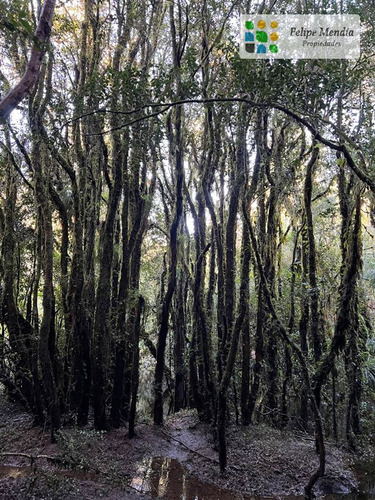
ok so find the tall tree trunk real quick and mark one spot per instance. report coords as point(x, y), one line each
point(245, 378)
point(102, 311)
point(315, 320)
point(179, 348)
point(135, 365)
point(163, 331)
point(47, 336)
point(303, 323)
point(177, 153)
point(233, 328)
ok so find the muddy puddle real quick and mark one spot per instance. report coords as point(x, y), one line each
point(166, 478)
point(14, 472)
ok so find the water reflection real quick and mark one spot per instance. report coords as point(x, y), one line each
point(166, 478)
point(14, 472)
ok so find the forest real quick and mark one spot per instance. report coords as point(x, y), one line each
point(187, 239)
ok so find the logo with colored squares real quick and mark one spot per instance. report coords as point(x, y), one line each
point(261, 37)
point(299, 36)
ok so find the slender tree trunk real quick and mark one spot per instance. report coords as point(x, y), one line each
point(315, 320)
point(163, 331)
point(177, 152)
point(303, 326)
point(135, 365)
point(47, 337)
point(179, 349)
point(245, 378)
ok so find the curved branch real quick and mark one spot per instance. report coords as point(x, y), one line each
point(360, 173)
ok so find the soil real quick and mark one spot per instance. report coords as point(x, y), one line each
point(172, 462)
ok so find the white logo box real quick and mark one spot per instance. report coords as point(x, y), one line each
point(311, 36)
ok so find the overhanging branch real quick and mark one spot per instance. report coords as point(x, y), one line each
point(165, 106)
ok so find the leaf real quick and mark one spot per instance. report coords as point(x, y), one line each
point(10, 25)
point(26, 26)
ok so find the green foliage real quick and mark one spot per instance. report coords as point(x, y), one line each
point(16, 19)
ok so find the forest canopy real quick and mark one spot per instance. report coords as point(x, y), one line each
point(181, 228)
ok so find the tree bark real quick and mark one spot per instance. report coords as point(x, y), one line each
point(30, 77)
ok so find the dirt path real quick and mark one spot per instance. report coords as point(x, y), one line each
point(168, 462)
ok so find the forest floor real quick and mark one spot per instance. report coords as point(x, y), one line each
point(173, 462)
